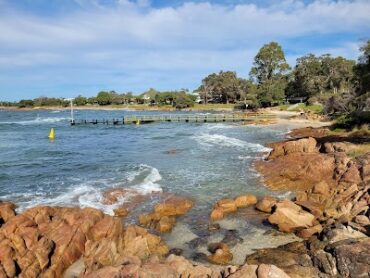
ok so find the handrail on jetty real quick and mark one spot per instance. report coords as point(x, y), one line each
point(210, 118)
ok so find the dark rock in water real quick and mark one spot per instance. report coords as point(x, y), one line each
point(196, 242)
point(213, 247)
point(214, 227)
point(199, 257)
point(175, 251)
point(232, 238)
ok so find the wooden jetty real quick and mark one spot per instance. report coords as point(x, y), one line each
point(194, 118)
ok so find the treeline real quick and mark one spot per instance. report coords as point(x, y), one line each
point(341, 85)
point(179, 99)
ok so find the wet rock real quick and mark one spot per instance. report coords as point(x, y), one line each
point(164, 216)
point(196, 242)
point(174, 206)
point(166, 224)
point(245, 200)
point(214, 227)
point(266, 204)
point(217, 214)
point(232, 238)
point(199, 257)
point(175, 251)
point(227, 205)
point(120, 212)
point(289, 217)
point(221, 253)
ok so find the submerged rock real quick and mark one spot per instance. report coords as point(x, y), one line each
point(221, 253)
point(164, 216)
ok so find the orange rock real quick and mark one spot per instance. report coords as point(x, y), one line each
point(221, 253)
point(290, 217)
point(266, 204)
point(245, 200)
point(120, 212)
point(7, 210)
point(166, 224)
point(307, 233)
point(227, 205)
point(217, 214)
point(165, 209)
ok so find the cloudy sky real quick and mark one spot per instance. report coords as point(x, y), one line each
point(64, 48)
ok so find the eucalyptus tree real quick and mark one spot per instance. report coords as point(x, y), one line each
point(362, 78)
point(269, 71)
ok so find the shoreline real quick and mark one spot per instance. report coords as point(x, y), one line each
point(221, 253)
point(123, 108)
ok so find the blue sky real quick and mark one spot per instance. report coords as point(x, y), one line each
point(63, 48)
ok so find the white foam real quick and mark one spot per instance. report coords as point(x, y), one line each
point(210, 140)
point(246, 157)
point(221, 126)
point(90, 194)
point(38, 120)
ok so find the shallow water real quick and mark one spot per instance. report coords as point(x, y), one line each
point(203, 161)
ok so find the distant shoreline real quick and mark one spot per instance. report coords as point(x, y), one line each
point(200, 107)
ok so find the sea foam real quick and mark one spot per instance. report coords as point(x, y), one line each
point(209, 140)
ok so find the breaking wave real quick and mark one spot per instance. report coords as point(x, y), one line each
point(209, 140)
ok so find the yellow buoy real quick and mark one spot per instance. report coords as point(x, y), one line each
point(138, 122)
point(51, 134)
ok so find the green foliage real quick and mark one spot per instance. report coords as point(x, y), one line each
point(104, 98)
point(24, 103)
point(362, 78)
point(183, 100)
point(92, 100)
point(270, 73)
point(314, 76)
point(224, 87)
point(80, 101)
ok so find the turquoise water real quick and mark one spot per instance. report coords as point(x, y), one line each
point(211, 160)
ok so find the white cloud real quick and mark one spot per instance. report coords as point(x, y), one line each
point(136, 38)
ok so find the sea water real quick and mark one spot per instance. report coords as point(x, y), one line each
point(203, 161)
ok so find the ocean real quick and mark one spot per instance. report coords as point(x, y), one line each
point(203, 161)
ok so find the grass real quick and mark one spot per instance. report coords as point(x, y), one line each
point(314, 108)
point(213, 106)
point(359, 150)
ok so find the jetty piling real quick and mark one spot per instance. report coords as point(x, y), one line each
point(188, 118)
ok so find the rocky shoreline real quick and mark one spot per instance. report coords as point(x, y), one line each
point(330, 212)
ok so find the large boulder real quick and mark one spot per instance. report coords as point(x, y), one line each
point(163, 218)
point(290, 217)
point(266, 204)
point(245, 200)
point(298, 171)
point(305, 145)
point(7, 211)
